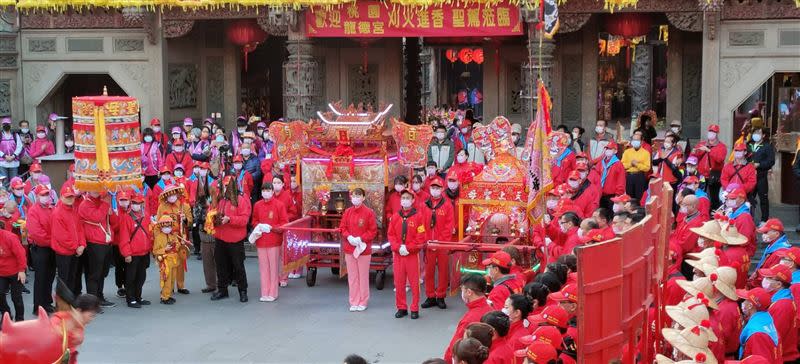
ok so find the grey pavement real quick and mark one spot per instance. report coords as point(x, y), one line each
point(305, 325)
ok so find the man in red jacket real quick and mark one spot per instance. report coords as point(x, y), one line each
point(135, 243)
point(358, 228)
point(504, 284)
point(442, 224)
point(710, 155)
point(778, 279)
point(230, 231)
point(739, 214)
point(587, 194)
point(775, 241)
point(609, 175)
point(96, 215)
point(392, 205)
point(407, 235)
point(602, 216)
point(269, 214)
point(68, 242)
point(683, 235)
point(13, 263)
point(178, 156)
point(739, 170)
point(563, 160)
point(759, 335)
point(44, 259)
point(473, 293)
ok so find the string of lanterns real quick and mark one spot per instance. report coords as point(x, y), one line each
point(465, 55)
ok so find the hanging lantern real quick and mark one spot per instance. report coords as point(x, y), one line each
point(477, 55)
point(628, 25)
point(465, 55)
point(247, 34)
point(451, 55)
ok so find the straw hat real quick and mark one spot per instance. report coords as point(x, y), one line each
point(691, 312)
point(692, 342)
point(731, 236)
point(723, 279)
point(171, 190)
point(660, 359)
point(165, 220)
point(704, 259)
point(701, 288)
point(710, 230)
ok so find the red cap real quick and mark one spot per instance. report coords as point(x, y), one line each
point(177, 142)
point(551, 315)
point(737, 193)
point(574, 176)
point(36, 167)
point(538, 352)
point(777, 271)
point(623, 198)
point(408, 191)
point(740, 147)
point(500, 259)
point(546, 334)
point(164, 169)
point(238, 159)
point(67, 191)
point(437, 181)
point(567, 293)
point(595, 235)
point(758, 296)
point(203, 165)
point(714, 128)
point(792, 253)
point(582, 166)
point(612, 145)
point(464, 123)
point(452, 175)
point(17, 184)
point(178, 166)
point(137, 198)
point(40, 128)
point(41, 190)
point(581, 155)
point(691, 179)
point(124, 195)
point(155, 122)
point(771, 224)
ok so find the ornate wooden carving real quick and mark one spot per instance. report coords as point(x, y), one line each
point(686, 21)
point(643, 6)
point(178, 13)
point(572, 22)
point(97, 18)
point(278, 22)
point(766, 9)
point(176, 28)
point(301, 81)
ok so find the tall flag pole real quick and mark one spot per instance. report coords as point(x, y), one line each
point(539, 178)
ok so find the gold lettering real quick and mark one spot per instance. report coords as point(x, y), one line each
point(458, 18)
point(335, 18)
point(438, 18)
point(352, 11)
point(377, 27)
point(423, 19)
point(319, 19)
point(374, 11)
point(503, 17)
point(363, 27)
point(473, 18)
point(394, 17)
point(349, 27)
point(488, 17)
point(408, 19)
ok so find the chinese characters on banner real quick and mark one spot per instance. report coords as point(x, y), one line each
point(376, 19)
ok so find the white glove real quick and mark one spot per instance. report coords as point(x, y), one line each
point(267, 228)
point(547, 241)
point(352, 240)
point(360, 248)
point(403, 250)
point(358, 240)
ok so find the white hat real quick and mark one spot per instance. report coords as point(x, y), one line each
point(516, 128)
point(692, 342)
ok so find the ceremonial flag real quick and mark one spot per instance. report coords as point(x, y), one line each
point(539, 178)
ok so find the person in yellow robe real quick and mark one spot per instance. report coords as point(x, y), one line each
point(174, 203)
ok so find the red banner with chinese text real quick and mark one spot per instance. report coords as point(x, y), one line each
point(376, 19)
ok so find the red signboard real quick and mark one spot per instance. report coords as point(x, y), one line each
point(378, 19)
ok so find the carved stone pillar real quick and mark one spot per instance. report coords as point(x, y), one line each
point(641, 80)
point(427, 75)
point(300, 77)
point(709, 109)
point(539, 64)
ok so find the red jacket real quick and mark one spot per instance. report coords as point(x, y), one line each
point(684, 237)
point(673, 293)
point(515, 331)
point(10, 220)
point(272, 212)
point(416, 233)
point(761, 344)
point(420, 198)
point(730, 318)
point(475, 310)
point(711, 161)
point(560, 173)
point(359, 222)
point(745, 226)
point(135, 237)
point(503, 288)
point(183, 158)
point(500, 352)
point(38, 224)
point(96, 220)
point(737, 258)
point(68, 230)
point(589, 198)
point(392, 205)
point(615, 179)
point(717, 347)
point(743, 175)
point(244, 181)
point(572, 241)
point(784, 315)
point(236, 229)
point(13, 258)
point(445, 218)
point(287, 199)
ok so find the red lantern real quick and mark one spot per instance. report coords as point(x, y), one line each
point(628, 25)
point(477, 55)
point(465, 55)
point(451, 55)
point(247, 34)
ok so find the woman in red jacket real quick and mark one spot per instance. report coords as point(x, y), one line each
point(230, 228)
point(359, 228)
point(13, 263)
point(135, 243)
point(44, 259)
point(269, 214)
point(284, 195)
point(67, 239)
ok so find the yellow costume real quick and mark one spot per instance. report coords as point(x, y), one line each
point(181, 214)
point(165, 249)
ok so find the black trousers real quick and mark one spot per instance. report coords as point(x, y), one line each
point(98, 259)
point(762, 193)
point(10, 283)
point(119, 267)
point(196, 238)
point(44, 263)
point(230, 264)
point(67, 268)
point(635, 185)
point(135, 274)
point(713, 186)
point(81, 273)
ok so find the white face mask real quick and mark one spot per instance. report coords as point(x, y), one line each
point(431, 171)
point(357, 200)
point(237, 166)
point(464, 130)
point(701, 243)
point(202, 172)
point(440, 136)
point(44, 200)
point(195, 171)
point(580, 233)
point(267, 194)
point(172, 199)
point(690, 168)
point(564, 228)
point(406, 203)
point(246, 152)
point(675, 129)
point(166, 177)
point(766, 284)
point(18, 193)
point(293, 184)
point(436, 192)
point(452, 185)
point(738, 155)
point(583, 175)
point(461, 158)
point(599, 129)
point(399, 188)
point(178, 173)
point(551, 204)
point(219, 139)
point(514, 138)
point(148, 139)
point(69, 144)
point(730, 203)
point(757, 137)
point(683, 210)
point(575, 135)
point(24, 130)
point(636, 144)
point(711, 135)
point(177, 149)
point(573, 184)
point(156, 129)
point(124, 204)
point(505, 311)
point(40, 135)
point(241, 130)
point(166, 230)
point(553, 152)
point(609, 152)
point(278, 186)
point(416, 186)
point(667, 146)
point(136, 207)
point(616, 208)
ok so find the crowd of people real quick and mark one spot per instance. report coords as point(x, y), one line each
point(210, 192)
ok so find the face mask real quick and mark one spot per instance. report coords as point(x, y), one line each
point(35, 176)
point(461, 158)
point(177, 149)
point(580, 233)
point(616, 208)
point(176, 136)
point(220, 139)
point(237, 166)
point(575, 135)
point(584, 174)
point(505, 311)
point(178, 173)
point(166, 177)
point(25, 130)
point(599, 129)
point(766, 239)
point(357, 200)
point(40, 135)
point(667, 146)
point(195, 171)
point(202, 172)
point(551, 204)
point(683, 210)
point(464, 130)
point(691, 187)
point(464, 296)
point(431, 171)
point(766, 284)
point(124, 204)
point(787, 263)
point(241, 130)
point(18, 193)
point(278, 186)
point(166, 230)
point(416, 186)
point(730, 203)
point(399, 188)
point(553, 152)
point(514, 138)
point(293, 185)
point(691, 169)
point(609, 152)
point(267, 194)
point(44, 200)
point(452, 185)
point(738, 155)
point(701, 242)
point(148, 139)
point(573, 184)
point(136, 207)
point(172, 199)
point(436, 192)
point(711, 135)
point(757, 137)
point(675, 129)
point(440, 136)
point(564, 228)
point(156, 129)
point(69, 144)
point(636, 144)
point(405, 203)
point(246, 152)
